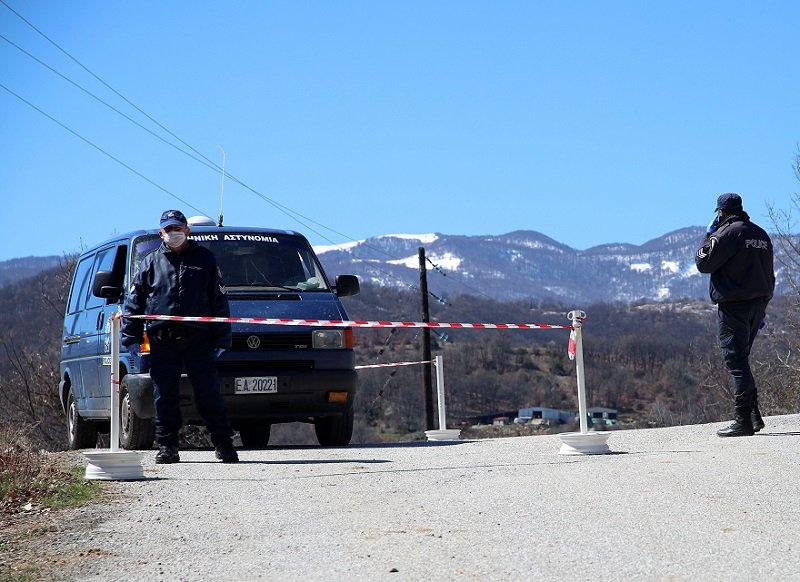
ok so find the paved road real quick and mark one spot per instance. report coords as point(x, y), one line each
point(669, 504)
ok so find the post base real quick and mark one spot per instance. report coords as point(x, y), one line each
point(446, 434)
point(589, 443)
point(114, 465)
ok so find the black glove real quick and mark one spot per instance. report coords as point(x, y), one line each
point(129, 340)
point(222, 343)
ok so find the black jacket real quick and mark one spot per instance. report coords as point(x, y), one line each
point(169, 283)
point(739, 257)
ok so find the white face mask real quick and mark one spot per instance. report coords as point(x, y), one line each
point(174, 239)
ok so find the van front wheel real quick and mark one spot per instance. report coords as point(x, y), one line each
point(81, 433)
point(334, 431)
point(134, 433)
point(254, 435)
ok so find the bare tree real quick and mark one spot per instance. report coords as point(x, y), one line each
point(779, 362)
point(787, 240)
point(29, 349)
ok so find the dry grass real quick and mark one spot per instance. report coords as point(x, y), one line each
point(35, 487)
point(30, 479)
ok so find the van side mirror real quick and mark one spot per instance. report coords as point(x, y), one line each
point(347, 285)
point(102, 286)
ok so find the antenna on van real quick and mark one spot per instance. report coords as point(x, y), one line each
point(222, 187)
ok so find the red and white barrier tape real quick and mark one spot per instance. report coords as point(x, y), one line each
point(346, 323)
point(393, 364)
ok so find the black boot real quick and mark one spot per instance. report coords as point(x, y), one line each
point(167, 455)
point(742, 426)
point(226, 453)
point(755, 417)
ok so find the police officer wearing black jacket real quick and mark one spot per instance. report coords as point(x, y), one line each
point(738, 255)
point(182, 278)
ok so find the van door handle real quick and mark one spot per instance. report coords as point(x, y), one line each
point(72, 339)
point(100, 318)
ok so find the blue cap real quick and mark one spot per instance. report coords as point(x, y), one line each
point(173, 217)
point(728, 202)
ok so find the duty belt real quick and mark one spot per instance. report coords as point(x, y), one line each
point(172, 333)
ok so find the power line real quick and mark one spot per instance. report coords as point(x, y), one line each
point(109, 87)
point(208, 162)
point(205, 161)
point(101, 150)
point(441, 271)
point(76, 85)
point(150, 181)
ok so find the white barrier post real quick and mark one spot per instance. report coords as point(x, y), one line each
point(583, 442)
point(443, 434)
point(114, 465)
point(579, 372)
point(114, 431)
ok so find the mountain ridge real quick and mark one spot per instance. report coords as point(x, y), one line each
point(526, 264)
point(518, 265)
point(14, 270)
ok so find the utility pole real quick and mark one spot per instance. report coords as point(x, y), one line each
point(427, 384)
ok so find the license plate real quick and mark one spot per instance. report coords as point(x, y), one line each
point(256, 385)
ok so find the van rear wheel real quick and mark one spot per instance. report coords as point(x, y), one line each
point(254, 435)
point(81, 433)
point(334, 431)
point(135, 433)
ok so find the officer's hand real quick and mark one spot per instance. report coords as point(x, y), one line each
point(129, 340)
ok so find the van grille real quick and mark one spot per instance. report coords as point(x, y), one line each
point(272, 341)
point(261, 368)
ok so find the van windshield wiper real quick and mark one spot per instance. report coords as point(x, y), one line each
point(265, 285)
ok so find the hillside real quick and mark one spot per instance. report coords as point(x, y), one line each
point(649, 361)
point(527, 265)
point(656, 362)
point(23, 268)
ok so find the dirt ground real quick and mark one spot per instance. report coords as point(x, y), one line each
point(40, 543)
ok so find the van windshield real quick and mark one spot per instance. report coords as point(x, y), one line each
point(255, 261)
point(265, 261)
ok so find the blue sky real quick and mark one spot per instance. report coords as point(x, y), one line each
point(591, 122)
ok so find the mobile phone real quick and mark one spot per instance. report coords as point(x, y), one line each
point(712, 226)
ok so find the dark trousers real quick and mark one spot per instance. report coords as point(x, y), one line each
point(168, 356)
point(739, 322)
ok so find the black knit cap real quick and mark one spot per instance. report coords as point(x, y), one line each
point(729, 202)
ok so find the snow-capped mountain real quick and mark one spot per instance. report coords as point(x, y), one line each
point(528, 265)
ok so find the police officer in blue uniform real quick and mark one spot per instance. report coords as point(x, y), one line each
point(182, 278)
point(738, 254)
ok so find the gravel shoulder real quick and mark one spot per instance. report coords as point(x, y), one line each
point(669, 504)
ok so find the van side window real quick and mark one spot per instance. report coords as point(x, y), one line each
point(142, 247)
point(80, 285)
point(104, 262)
point(120, 260)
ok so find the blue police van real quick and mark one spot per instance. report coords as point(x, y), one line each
point(271, 374)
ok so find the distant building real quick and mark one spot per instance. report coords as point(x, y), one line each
point(531, 415)
point(599, 414)
point(542, 415)
point(489, 418)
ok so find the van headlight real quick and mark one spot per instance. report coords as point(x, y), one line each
point(328, 339)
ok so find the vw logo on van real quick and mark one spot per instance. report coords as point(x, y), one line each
point(253, 342)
